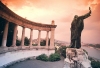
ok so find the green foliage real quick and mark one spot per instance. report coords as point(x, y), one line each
point(91, 59)
point(42, 57)
point(95, 64)
point(43, 43)
point(62, 50)
point(26, 41)
point(54, 57)
point(34, 44)
point(95, 45)
point(18, 42)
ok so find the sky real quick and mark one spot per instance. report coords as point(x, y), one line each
point(62, 12)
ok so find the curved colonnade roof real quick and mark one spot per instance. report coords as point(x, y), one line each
point(10, 16)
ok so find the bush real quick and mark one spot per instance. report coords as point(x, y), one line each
point(91, 59)
point(95, 64)
point(18, 42)
point(42, 57)
point(54, 57)
point(43, 43)
point(34, 44)
point(63, 51)
point(26, 41)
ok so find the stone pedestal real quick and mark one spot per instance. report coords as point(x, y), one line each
point(76, 58)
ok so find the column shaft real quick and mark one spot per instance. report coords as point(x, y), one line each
point(52, 39)
point(23, 36)
point(14, 36)
point(47, 38)
point(52, 36)
point(31, 37)
point(39, 35)
point(4, 40)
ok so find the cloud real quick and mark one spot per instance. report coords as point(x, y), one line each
point(15, 3)
point(96, 14)
point(62, 11)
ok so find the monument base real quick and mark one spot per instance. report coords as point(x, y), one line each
point(76, 58)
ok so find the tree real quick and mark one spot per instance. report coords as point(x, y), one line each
point(26, 41)
point(43, 43)
point(18, 42)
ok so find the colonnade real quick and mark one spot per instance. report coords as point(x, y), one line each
point(10, 17)
point(4, 39)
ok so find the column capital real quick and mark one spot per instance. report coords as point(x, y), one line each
point(39, 30)
point(31, 29)
point(23, 27)
point(47, 31)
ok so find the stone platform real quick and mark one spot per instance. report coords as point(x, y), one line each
point(76, 58)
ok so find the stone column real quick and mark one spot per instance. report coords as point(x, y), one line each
point(14, 36)
point(23, 36)
point(39, 35)
point(52, 37)
point(4, 40)
point(47, 39)
point(31, 37)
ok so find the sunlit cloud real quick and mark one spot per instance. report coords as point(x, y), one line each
point(62, 11)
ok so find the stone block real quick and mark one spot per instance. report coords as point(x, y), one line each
point(3, 49)
point(78, 56)
point(19, 47)
point(10, 49)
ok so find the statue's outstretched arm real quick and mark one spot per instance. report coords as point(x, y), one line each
point(86, 15)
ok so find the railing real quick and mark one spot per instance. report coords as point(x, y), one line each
point(10, 49)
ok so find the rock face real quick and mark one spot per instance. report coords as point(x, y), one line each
point(76, 58)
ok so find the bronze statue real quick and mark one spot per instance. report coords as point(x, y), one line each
point(77, 26)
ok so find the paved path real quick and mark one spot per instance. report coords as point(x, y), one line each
point(38, 64)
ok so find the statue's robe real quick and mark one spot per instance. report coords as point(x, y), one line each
point(77, 26)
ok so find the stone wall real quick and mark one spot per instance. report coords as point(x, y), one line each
point(20, 55)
